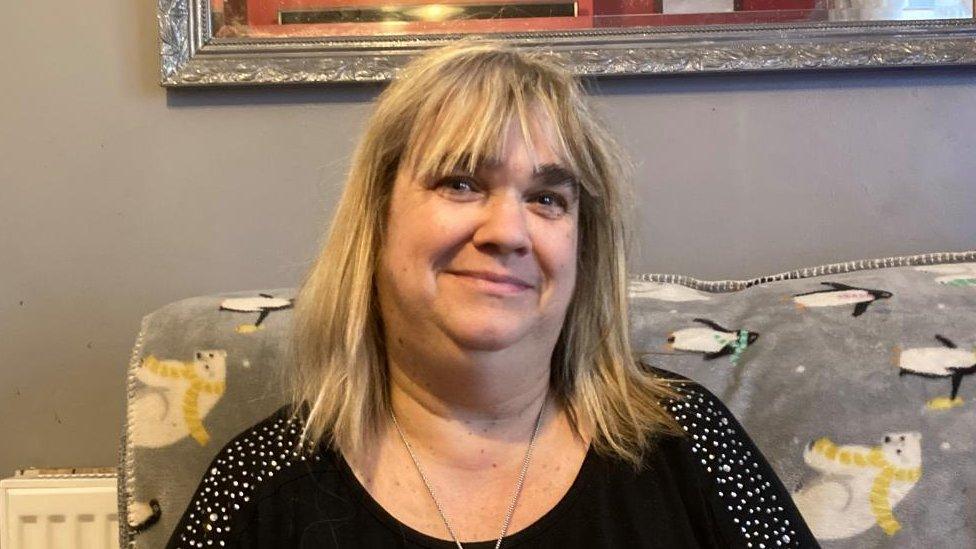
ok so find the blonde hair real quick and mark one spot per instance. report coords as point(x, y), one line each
point(451, 107)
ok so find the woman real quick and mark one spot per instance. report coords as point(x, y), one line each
point(464, 374)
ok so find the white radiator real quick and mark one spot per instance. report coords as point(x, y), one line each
point(59, 511)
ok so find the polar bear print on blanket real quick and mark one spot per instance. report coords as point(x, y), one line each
point(858, 486)
point(177, 396)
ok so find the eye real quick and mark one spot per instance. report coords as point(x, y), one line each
point(552, 202)
point(457, 185)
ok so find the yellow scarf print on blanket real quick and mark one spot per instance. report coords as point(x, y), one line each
point(176, 398)
point(858, 485)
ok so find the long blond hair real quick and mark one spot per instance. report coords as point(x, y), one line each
point(451, 107)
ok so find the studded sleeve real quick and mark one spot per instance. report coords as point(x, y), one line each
point(751, 507)
point(227, 489)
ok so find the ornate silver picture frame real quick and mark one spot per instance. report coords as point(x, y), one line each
point(192, 55)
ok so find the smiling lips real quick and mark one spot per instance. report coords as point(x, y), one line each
point(495, 282)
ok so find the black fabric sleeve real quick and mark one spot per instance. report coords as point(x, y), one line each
point(751, 506)
point(225, 495)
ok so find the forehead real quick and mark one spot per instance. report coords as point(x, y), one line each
point(461, 145)
point(540, 159)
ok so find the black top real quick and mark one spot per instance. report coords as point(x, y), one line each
point(711, 488)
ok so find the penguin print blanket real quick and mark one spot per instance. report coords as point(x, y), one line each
point(856, 380)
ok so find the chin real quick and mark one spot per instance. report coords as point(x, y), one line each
point(487, 337)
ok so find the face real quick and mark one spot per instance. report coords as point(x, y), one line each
point(486, 260)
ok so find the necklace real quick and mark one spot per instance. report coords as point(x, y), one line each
point(518, 486)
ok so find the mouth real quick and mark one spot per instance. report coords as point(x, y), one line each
point(494, 282)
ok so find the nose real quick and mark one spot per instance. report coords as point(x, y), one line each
point(504, 227)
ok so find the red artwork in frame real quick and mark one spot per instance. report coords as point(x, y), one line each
point(263, 18)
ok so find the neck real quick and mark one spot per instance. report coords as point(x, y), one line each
point(469, 413)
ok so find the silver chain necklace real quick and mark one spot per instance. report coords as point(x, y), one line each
point(518, 486)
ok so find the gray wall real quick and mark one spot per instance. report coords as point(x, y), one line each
point(117, 197)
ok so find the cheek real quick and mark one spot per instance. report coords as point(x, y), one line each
point(560, 252)
point(419, 238)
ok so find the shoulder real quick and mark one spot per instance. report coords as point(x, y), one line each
point(714, 436)
point(245, 465)
point(693, 407)
point(748, 498)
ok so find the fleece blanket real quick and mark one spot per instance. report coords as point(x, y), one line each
point(854, 379)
